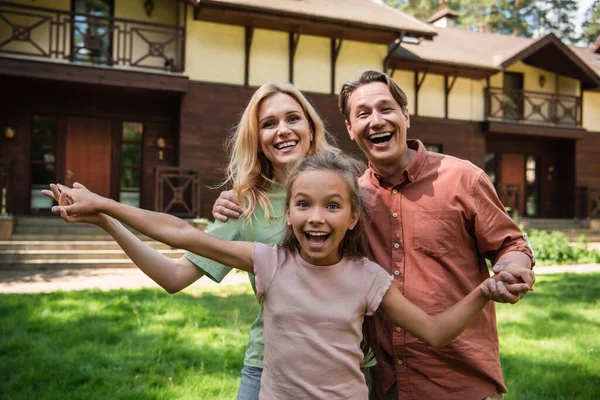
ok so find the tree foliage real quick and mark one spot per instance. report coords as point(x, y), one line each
point(513, 17)
point(591, 25)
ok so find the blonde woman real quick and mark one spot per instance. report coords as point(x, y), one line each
point(277, 128)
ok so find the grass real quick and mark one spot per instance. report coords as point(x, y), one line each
point(145, 344)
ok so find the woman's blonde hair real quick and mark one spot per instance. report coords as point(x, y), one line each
point(249, 172)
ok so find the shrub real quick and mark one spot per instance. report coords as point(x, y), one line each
point(554, 248)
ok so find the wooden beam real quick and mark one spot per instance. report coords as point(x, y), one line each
point(447, 90)
point(336, 46)
point(418, 83)
point(248, 45)
point(294, 39)
point(391, 51)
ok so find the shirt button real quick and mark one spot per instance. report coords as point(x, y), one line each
point(412, 177)
point(396, 245)
point(396, 272)
point(394, 215)
point(398, 329)
point(394, 191)
point(400, 362)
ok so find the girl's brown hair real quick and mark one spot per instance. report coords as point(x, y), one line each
point(354, 243)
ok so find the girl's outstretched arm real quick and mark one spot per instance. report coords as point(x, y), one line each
point(159, 226)
point(440, 329)
point(172, 275)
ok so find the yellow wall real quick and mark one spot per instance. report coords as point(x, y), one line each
point(568, 86)
point(214, 52)
point(269, 57)
point(496, 80)
point(165, 11)
point(460, 99)
point(64, 5)
point(354, 58)
point(406, 80)
point(431, 96)
point(478, 100)
point(591, 110)
point(531, 77)
point(312, 64)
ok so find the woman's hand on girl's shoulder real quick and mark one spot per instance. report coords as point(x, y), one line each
point(226, 207)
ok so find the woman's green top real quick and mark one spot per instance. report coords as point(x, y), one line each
point(260, 230)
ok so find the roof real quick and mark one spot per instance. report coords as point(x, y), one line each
point(496, 52)
point(441, 13)
point(366, 13)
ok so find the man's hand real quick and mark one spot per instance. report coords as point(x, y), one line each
point(507, 287)
point(226, 207)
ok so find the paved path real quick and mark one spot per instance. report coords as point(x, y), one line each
point(36, 281)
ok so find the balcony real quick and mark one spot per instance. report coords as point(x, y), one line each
point(536, 108)
point(45, 33)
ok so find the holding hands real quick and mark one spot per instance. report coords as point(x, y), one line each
point(77, 204)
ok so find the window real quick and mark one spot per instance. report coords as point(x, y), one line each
point(131, 163)
point(531, 186)
point(92, 33)
point(436, 148)
point(43, 160)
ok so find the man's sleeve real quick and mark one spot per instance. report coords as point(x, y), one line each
point(230, 230)
point(496, 233)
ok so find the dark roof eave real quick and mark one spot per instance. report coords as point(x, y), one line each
point(467, 70)
point(552, 39)
point(395, 31)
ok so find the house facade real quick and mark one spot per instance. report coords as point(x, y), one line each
point(135, 98)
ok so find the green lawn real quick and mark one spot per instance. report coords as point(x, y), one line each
point(145, 344)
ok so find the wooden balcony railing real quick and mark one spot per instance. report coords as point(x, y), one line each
point(587, 203)
point(177, 191)
point(533, 107)
point(48, 33)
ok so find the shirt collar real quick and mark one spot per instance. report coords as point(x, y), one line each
point(411, 172)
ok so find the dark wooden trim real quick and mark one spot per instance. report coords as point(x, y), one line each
point(294, 39)
point(279, 21)
point(391, 51)
point(447, 90)
point(532, 130)
point(336, 47)
point(95, 75)
point(418, 83)
point(441, 68)
point(551, 39)
point(249, 35)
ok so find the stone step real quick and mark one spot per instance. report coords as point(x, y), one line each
point(67, 255)
point(60, 245)
point(66, 237)
point(66, 264)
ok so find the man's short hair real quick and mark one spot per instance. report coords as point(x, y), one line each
point(365, 78)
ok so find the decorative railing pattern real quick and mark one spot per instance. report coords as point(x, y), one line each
point(60, 35)
point(177, 191)
point(520, 105)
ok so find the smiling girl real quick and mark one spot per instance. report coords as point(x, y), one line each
point(317, 286)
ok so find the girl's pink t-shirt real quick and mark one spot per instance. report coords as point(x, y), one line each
point(313, 323)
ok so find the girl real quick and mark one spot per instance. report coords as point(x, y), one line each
point(278, 127)
point(317, 286)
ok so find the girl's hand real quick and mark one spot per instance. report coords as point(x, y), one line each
point(78, 204)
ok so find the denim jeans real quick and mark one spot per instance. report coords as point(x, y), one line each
point(250, 383)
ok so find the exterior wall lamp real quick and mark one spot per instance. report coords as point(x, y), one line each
point(149, 7)
point(161, 143)
point(542, 80)
point(9, 133)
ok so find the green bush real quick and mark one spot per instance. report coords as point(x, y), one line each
point(554, 248)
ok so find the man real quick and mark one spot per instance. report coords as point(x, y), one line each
point(435, 220)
